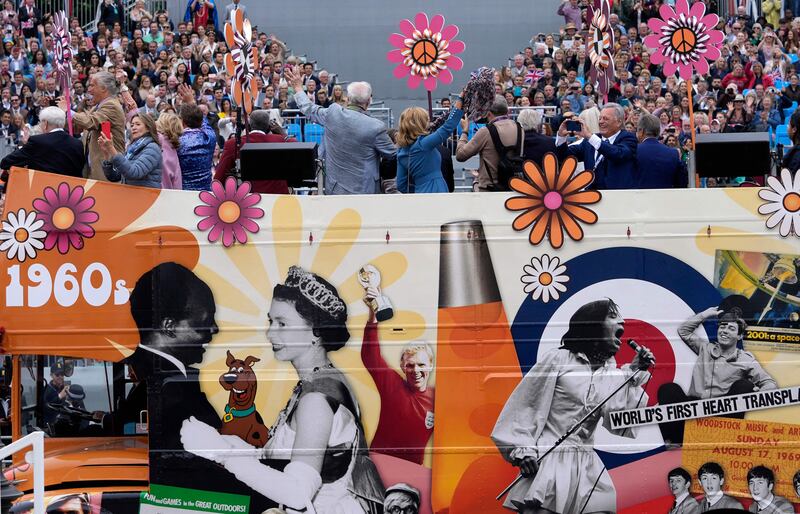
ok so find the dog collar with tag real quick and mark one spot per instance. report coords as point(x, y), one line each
point(233, 413)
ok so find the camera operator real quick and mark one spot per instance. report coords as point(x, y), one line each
point(264, 128)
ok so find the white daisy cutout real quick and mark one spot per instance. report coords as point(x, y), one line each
point(782, 203)
point(544, 278)
point(21, 235)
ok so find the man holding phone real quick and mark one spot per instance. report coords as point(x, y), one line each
point(611, 154)
point(106, 115)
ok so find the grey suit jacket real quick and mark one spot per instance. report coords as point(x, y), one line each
point(352, 147)
point(229, 10)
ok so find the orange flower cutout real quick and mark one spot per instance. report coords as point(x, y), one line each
point(242, 60)
point(554, 201)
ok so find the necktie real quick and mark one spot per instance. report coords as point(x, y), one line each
point(597, 156)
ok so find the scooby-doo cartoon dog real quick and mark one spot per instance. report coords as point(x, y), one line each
point(241, 417)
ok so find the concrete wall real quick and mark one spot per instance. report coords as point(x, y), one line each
point(351, 38)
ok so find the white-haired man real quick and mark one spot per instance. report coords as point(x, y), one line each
point(53, 150)
point(353, 143)
point(611, 153)
point(103, 88)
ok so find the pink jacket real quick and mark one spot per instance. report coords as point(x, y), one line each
point(171, 168)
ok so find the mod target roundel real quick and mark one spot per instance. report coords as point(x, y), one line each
point(655, 293)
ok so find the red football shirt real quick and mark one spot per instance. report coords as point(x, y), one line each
point(406, 420)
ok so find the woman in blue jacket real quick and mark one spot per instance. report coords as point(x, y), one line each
point(419, 163)
point(140, 165)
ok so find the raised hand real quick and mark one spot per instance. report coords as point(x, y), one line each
point(186, 93)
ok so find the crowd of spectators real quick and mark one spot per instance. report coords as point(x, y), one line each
point(752, 87)
point(162, 84)
point(159, 81)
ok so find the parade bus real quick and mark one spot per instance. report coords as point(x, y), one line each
point(549, 347)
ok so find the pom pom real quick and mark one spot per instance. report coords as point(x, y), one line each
point(479, 93)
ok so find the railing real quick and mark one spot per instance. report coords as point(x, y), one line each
point(298, 126)
point(87, 10)
point(36, 440)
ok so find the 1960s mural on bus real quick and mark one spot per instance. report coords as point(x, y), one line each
point(468, 353)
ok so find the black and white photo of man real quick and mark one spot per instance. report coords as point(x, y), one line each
point(761, 481)
point(680, 481)
point(401, 499)
point(712, 478)
point(721, 368)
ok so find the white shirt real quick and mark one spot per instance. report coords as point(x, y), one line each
point(178, 364)
point(712, 500)
point(766, 502)
point(595, 141)
point(679, 499)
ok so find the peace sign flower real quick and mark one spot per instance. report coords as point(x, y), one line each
point(229, 210)
point(684, 39)
point(553, 201)
point(425, 52)
point(242, 61)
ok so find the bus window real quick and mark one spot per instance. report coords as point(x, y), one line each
point(75, 395)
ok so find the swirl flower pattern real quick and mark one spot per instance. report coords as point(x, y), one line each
point(242, 61)
point(62, 47)
point(21, 235)
point(544, 278)
point(684, 39)
point(600, 47)
point(67, 217)
point(228, 211)
point(782, 203)
point(425, 51)
point(553, 201)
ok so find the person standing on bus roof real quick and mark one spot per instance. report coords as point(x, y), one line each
point(353, 141)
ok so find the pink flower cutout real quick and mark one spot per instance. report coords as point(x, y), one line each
point(425, 51)
point(67, 218)
point(229, 211)
point(684, 39)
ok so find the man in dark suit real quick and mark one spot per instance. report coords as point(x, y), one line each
point(29, 18)
point(658, 166)
point(174, 312)
point(611, 154)
point(54, 150)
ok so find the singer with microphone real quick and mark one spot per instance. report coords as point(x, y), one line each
point(547, 426)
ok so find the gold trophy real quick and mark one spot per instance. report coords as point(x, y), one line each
point(370, 279)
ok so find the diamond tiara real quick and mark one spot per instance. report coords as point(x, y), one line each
point(315, 292)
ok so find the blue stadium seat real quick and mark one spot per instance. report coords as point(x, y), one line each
point(794, 58)
point(787, 113)
point(313, 133)
point(782, 131)
point(785, 141)
point(779, 84)
point(293, 130)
